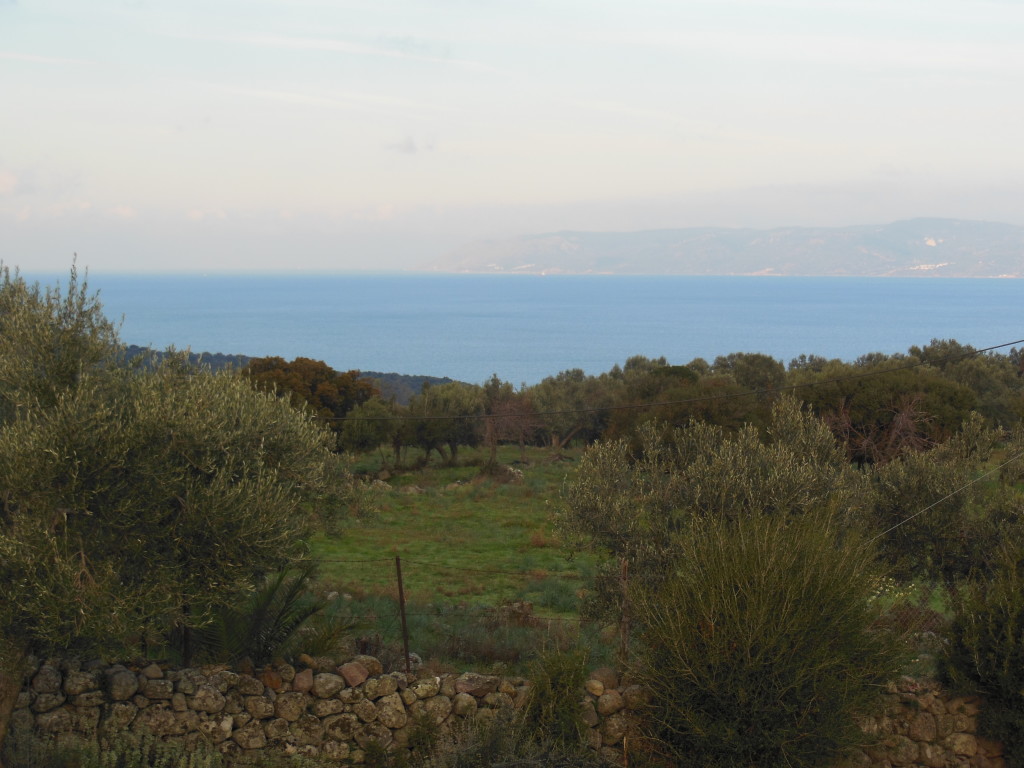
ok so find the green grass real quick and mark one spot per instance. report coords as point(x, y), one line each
point(469, 544)
point(456, 531)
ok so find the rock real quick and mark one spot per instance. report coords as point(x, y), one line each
point(224, 680)
point(47, 680)
point(44, 702)
point(922, 727)
point(365, 710)
point(932, 755)
point(464, 705)
point(614, 729)
point(307, 730)
point(341, 727)
point(271, 679)
point(426, 687)
point(326, 707)
point(448, 686)
point(634, 696)
point(354, 673)
point(276, 729)
point(609, 703)
point(189, 680)
point(607, 677)
point(159, 721)
point(233, 702)
point(497, 700)
point(391, 711)
point(475, 684)
point(178, 702)
point(594, 687)
point(157, 689)
point(76, 683)
point(900, 750)
point(119, 716)
point(438, 708)
point(962, 744)
point(207, 699)
point(373, 733)
point(152, 671)
point(251, 736)
point(303, 681)
point(325, 685)
point(121, 684)
point(291, 706)
point(248, 685)
point(372, 664)
point(588, 714)
point(89, 699)
point(286, 671)
point(376, 687)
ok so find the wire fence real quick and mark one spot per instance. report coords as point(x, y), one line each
point(907, 616)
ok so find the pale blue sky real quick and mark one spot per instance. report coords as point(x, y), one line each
point(331, 135)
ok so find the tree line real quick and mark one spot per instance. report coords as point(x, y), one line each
point(878, 407)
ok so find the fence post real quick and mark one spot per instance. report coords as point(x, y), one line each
point(624, 618)
point(401, 609)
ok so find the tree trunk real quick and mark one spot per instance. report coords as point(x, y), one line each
point(12, 664)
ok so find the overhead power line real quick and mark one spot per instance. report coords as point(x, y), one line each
point(949, 495)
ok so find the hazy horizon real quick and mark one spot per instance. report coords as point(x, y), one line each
point(314, 136)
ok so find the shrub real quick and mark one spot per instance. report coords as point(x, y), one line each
point(757, 648)
point(986, 652)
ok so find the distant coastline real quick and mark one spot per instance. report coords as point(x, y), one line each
point(917, 248)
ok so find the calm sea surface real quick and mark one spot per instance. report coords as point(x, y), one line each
point(526, 327)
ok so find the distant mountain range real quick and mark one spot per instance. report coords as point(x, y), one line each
point(912, 248)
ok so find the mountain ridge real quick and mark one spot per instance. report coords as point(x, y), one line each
point(923, 247)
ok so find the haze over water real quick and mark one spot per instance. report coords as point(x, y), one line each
point(525, 328)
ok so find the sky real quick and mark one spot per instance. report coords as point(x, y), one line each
point(341, 135)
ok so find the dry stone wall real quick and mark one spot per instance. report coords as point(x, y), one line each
point(336, 712)
point(921, 726)
point(328, 711)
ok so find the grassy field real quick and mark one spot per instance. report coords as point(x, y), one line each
point(463, 537)
point(485, 576)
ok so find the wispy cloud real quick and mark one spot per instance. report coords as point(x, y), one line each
point(37, 59)
point(389, 48)
point(409, 146)
point(346, 100)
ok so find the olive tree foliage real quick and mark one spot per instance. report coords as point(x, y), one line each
point(446, 416)
point(634, 500)
point(748, 584)
point(135, 498)
point(934, 521)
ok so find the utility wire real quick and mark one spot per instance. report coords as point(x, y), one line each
point(689, 401)
point(949, 495)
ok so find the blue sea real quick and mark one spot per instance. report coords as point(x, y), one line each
point(526, 327)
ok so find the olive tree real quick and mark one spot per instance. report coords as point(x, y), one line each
point(748, 585)
point(134, 499)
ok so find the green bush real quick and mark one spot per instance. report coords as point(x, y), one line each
point(986, 652)
point(758, 648)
